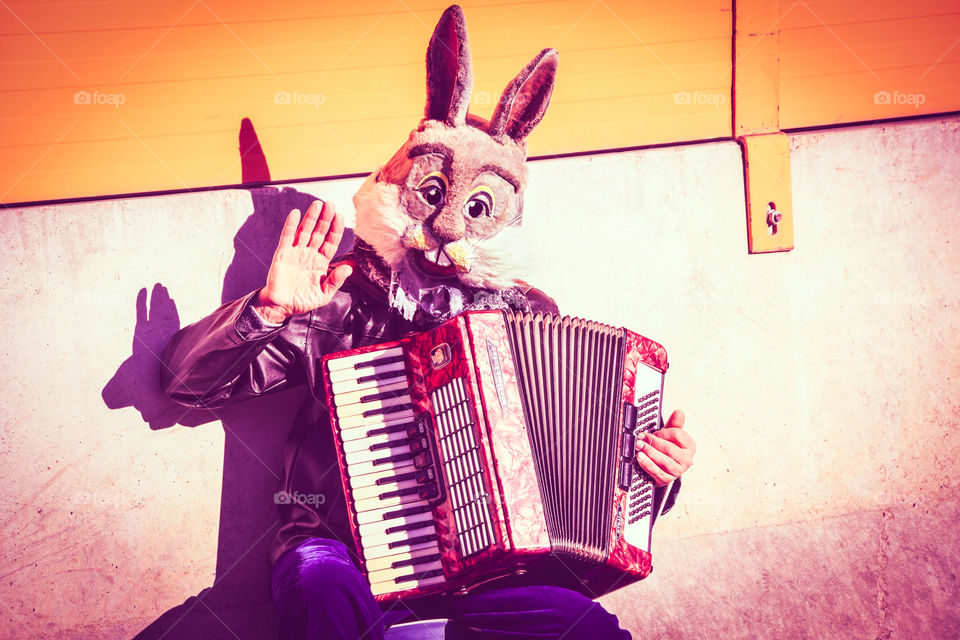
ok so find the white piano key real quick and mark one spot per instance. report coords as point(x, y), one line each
point(372, 491)
point(364, 374)
point(366, 455)
point(375, 565)
point(390, 586)
point(392, 574)
point(380, 514)
point(360, 444)
point(358, 480)
point(388, 374)
point(379, 546)
point(362, 431)
point(353, 397)
point(345, 362)
point(380, 527)
point(380, 419)
point(364, 468)
point(376, 503)
point(376, 545)
point(360, 408)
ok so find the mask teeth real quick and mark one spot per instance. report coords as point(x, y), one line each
point(431, 255)
point(443, 260)
point(415, 238)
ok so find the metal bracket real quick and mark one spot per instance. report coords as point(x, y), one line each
point(766, 174)
point(756, 126)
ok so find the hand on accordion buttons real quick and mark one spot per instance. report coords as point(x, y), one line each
point(667, 453)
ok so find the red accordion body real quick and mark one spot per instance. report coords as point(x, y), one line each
point(498, 446)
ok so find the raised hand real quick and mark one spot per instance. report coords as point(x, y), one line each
point(298, 280)
point(667, 453)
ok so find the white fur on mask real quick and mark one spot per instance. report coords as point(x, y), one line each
point(379, 220)
point(497, 262)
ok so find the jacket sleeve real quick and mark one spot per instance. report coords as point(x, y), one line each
point(232, 354)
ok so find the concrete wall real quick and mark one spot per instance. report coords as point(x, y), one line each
point(820, 385)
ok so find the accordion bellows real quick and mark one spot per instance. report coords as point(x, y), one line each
point(498, 446)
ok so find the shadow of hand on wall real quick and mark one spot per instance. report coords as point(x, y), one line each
point(137, 382)
point(238, 604)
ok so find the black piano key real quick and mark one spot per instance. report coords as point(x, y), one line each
point(395, 458)
point(393, 428)
point(430, 537)
point(386, 410)
point(384, 395)
point(371, 377)
point(407, 511)
point(388, 445)
point(399, 492)
point(407, 526)
point(412, 562)
point(376, 362)
point(409, 475)
point(418, 576)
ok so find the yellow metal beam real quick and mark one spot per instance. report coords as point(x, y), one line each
point(766, 169)
point(756, 125)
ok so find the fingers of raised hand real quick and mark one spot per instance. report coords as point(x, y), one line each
point(332, 235)
point(307, 224)
point(320, 229)
point(327, 213)
point(289, 232)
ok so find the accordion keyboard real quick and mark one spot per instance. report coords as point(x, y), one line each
point(389, 469)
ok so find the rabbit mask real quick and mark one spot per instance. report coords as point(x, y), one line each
point(427, 220)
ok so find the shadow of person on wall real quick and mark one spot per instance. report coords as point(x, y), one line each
point(238, 604)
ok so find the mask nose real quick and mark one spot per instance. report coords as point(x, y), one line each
point(448, 225)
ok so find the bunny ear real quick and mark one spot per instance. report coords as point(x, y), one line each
point(449, 74)
point(525, 99)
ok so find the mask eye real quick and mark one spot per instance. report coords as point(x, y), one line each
point(433, 188)
point(480, 204)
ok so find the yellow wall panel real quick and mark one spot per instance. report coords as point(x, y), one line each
point(175, 79)
point(187, 73)
point(850, 61)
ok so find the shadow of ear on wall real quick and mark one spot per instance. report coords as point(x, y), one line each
point(238, 604)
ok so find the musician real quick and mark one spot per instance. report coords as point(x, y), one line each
point(429, 225)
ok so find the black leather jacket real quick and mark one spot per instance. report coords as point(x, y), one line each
point(232, 355)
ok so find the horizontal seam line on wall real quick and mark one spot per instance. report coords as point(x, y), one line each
point(573, 154)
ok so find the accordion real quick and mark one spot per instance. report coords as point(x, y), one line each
point(494, 446)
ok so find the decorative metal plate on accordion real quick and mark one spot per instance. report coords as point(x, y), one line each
point(498, 444)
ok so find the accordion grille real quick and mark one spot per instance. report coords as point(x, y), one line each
point(570, 374)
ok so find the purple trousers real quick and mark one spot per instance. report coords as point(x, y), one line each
point(320, 593)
